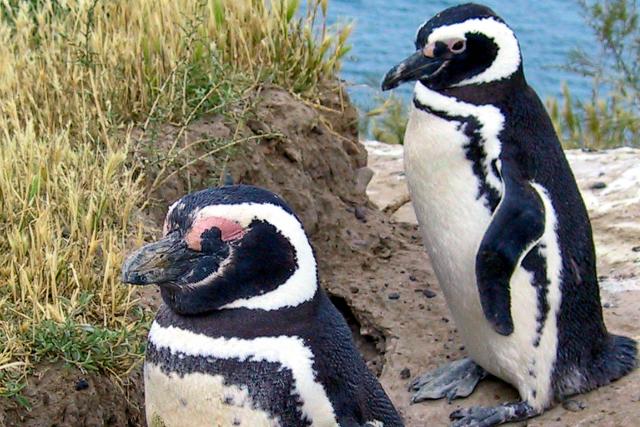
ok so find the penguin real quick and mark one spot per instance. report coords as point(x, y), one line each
point(245, 336)
point(503, 223)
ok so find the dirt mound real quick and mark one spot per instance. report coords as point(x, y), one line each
point(317, 164)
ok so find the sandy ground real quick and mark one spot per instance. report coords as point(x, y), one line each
point(610, 183)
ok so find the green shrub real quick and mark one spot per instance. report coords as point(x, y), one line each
point(611, 116)
point(387, 121)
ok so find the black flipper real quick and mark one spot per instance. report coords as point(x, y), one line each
point(516, 225)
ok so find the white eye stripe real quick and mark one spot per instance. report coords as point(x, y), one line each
point(165, 225)
point(302, 285)
point(508, 58)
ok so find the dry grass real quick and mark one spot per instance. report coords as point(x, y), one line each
point(75, 78)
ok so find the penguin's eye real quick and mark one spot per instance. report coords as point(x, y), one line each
point(458, 46)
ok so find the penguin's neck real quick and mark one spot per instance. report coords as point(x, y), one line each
point(245, 323)
point(494, 92)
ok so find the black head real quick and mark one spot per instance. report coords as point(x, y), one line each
point(463, 45)
point(229, 247)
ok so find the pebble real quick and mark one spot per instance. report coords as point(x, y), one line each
point(599, 185)
point(81, 384)
point(429, 293)
point(636, 249)
point(394, 296)
point(361, 214)
point(405, 374)
point(574, 405)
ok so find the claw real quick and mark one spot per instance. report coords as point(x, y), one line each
point(478, 416)
point(454, 380)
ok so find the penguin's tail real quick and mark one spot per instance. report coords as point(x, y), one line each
point(616, 357)
point(619, 358)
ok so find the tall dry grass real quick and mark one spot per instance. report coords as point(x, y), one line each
point(76, 77)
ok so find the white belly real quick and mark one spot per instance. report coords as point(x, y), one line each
point(198, 400)
point(453, 222)
point(205, 400)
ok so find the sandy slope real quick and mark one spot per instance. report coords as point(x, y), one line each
point(610, 183)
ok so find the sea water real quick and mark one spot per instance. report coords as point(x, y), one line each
point(384, 34)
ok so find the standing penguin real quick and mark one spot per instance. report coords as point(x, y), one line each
point(246, 337)
point(503, 222)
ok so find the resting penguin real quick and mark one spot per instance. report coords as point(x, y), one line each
point(503, 222)
point(245, 336)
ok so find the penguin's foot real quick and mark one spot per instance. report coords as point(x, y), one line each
point(479, 416)
point(454, 380)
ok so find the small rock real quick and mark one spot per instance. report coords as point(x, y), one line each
point(599, 185)
point(363, 177)
point(361, 214)
point(413, 278)
point(636, 249)
point(394, 296)
point(354, 290)
point(607, 305)
point(573, 405)
point(228, 178)
point(429, 293)
point(405, 374)
point(445, 320)
point(81, 384)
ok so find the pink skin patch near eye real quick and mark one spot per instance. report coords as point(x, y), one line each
point(229, 229)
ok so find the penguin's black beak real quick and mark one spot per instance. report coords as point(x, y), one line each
point(416, 67)
point(161, 262)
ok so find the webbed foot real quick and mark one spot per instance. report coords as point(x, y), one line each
point(479, 416)
point(453, 380)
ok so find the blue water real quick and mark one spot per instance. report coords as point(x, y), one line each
point(385, 30)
